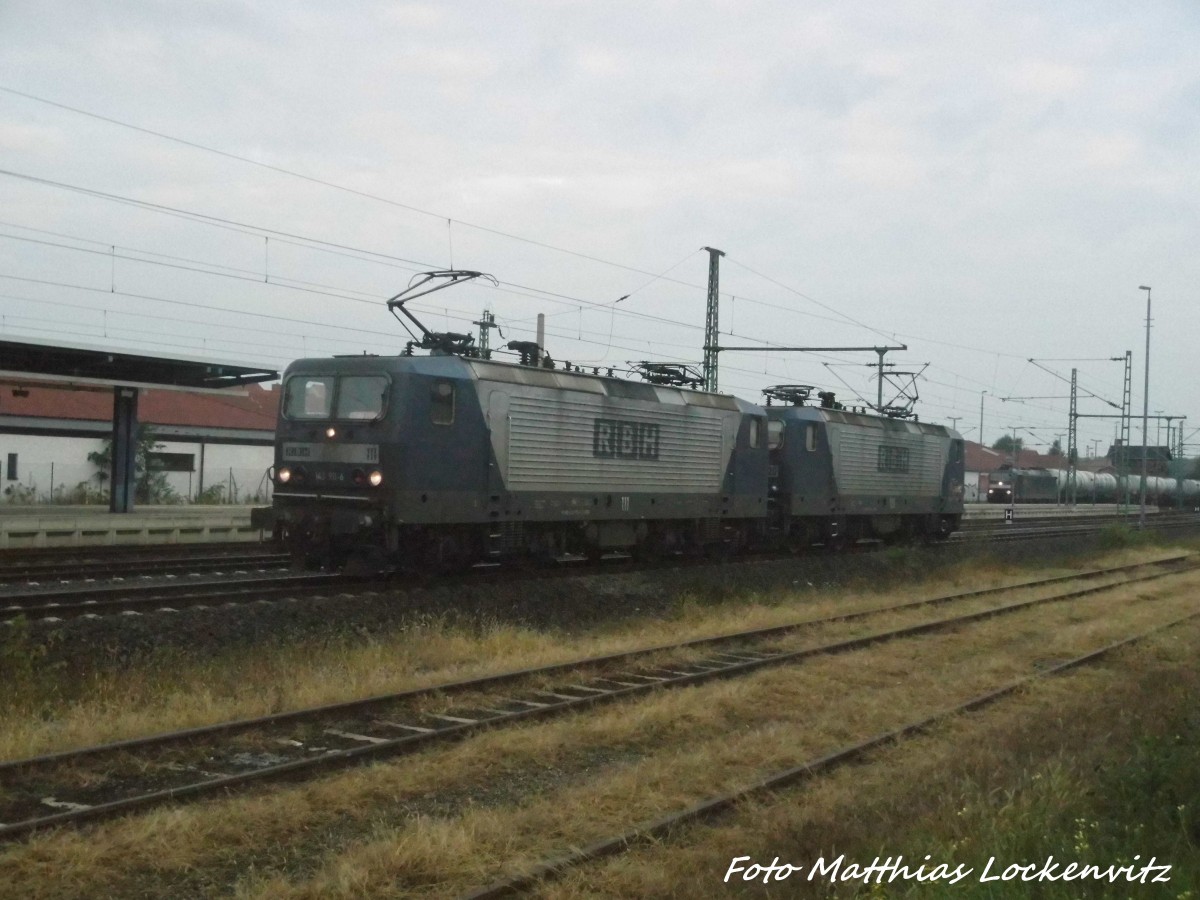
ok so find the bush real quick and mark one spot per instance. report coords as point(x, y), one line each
point(83, 494)
point(151, 487)
point(1118, 536)
point(213, 495)
point(20, 493)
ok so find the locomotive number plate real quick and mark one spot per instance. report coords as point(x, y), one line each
point(331, 453)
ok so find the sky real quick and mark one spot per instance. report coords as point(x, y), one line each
point(985, 183)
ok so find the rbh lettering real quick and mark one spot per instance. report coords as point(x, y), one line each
point(619, 439)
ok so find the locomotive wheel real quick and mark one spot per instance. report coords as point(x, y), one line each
point(442, 553)
point(306, 562)
point(448, 552)
point(836, 540)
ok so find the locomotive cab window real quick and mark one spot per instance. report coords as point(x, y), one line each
point(361, 397)
point(308, 397)
point(756, 433)
point(774, 434)
point(441, 403)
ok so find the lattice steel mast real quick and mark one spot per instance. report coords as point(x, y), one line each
point(711, 334)
point(1126, 412)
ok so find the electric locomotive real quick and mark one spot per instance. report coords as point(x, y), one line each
point(841, 476)
point(436, 462)
point(1012, 485)
point(440, 461)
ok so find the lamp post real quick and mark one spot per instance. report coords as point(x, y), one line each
point(981, 396)
point(1145, 409)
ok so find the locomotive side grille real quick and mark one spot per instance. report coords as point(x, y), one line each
point(710, 531)
point(506, 537)
point(564, 443)
point(898, 464)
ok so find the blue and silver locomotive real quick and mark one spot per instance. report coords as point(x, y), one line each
point(443, 460)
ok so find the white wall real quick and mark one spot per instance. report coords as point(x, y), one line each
point(975, 487)
point(61, 462)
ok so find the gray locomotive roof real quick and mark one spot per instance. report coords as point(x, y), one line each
point(617, 388)
point(596, 384)
point(885, 423)
point(512, 373)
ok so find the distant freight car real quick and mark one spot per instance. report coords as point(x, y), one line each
point(1013, 485)
point(1030, 485)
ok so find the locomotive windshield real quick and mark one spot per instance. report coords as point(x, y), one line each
point(313, 396)
point(361, 396)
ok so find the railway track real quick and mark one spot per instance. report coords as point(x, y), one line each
point(262, 577)
point(1066, 526)
point(168, 596)
point(93, 783)
point(663, 827)
point(97, 562)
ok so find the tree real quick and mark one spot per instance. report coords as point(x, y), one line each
point(1056, 448)
point(150, 487)
point(1195, 468)
point(1006, 444)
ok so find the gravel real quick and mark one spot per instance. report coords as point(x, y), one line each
point(564, 603)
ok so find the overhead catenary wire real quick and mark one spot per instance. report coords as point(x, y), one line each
point(266, 316)
point(270, 276)
point(319, 181)
point(257, 231)
point(369, 255)
point(376, 256)
point(112, 120)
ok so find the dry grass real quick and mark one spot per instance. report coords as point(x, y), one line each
point(170, 696)
point(433, 825)
point(1087, 722)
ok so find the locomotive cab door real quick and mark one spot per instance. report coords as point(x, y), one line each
point(497, 461)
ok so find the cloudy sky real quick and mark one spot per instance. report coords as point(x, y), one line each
point(985, 182)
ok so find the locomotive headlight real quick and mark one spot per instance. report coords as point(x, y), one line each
point(284, 475)
point(376, 478)
point(331, 432)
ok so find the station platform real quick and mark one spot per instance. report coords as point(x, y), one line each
point(1047, 510)
point(79, 526)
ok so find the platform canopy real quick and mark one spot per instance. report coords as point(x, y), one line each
point(80, 367)
point(28, 359)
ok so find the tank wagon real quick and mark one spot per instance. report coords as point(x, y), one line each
point(440, 461)
point(1027, 485)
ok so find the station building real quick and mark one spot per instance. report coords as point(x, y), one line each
point(207, 447)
